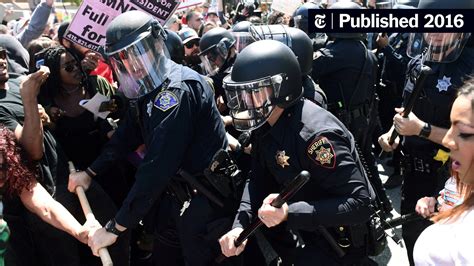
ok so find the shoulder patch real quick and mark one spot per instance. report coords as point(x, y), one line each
point(166, 100)
point(322, 152)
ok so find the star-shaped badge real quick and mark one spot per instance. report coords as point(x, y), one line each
point(443, 84)
point(149, 107)
point(324, 156)
point(282, 159)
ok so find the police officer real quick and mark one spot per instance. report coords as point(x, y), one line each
point(349, 83)
point(301, 45)
point(425, 171)
point(293, 134)
point(392, 48)
point(176, 118)
point(300, 20)
point(218, 53)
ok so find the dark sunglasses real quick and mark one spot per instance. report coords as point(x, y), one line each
point(192, 43)
point(3, 53)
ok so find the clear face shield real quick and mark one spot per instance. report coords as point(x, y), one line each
point(142, 66)
point(440, 47)
point(242, 40)
point(213, 59)
point(250, 103)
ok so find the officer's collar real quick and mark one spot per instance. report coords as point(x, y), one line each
point(175, 75)
point(287, 118)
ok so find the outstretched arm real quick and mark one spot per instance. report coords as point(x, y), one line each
point(40, 202)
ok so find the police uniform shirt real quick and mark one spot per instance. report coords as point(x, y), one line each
point(337, 72)
point(437, 96)
point(396, 60)
point(307, 137)
point(180, 127)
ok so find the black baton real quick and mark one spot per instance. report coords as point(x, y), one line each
point(406, 218)
point(425, 71)
point(287, 192)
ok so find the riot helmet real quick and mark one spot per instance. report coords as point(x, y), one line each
point(294, 38)
point(242, 26)
point(300, 16)
point(439, 47)
point(215, 48)
point(240, 31)
point(175, 47)
point(347, 35)
point(266, 74)
point(135, 48)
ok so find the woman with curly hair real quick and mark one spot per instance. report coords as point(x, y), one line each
point(448, 241)
point(18, 179)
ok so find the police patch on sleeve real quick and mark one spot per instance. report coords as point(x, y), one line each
point(166, 100)
point(322, 152)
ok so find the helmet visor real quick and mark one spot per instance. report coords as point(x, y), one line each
point(251, 103)
point(212, 61)
point(144, 62)
point(440, 47)
point(242, 40)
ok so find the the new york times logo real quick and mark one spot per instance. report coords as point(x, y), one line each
point(320, 21)
point(390, 20)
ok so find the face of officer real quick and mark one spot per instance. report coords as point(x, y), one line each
point(441, 43)
point(257, 99)
point(460, 137)
point(138, 67)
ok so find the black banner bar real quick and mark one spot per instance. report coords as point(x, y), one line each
point(390, 20)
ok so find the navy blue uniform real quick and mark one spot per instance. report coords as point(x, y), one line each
point(424, 175)
point(393, 77)
point(181, 129)
point(306, 137)
point(348, 79)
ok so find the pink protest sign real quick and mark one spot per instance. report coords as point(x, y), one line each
point(161, 9)
point(91, 20)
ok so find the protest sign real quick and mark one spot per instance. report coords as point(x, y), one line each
point(286, 6)
point(93, 16)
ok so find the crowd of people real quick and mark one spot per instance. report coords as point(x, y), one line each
point(184, 134)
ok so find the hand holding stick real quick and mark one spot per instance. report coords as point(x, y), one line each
point(86, 208)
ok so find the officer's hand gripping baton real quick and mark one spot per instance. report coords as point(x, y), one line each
point(86, 208)
point(287, 192)
point(419, 82)
point(425, 71)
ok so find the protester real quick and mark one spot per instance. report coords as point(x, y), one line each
point(18, 183)
point(454, 226)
